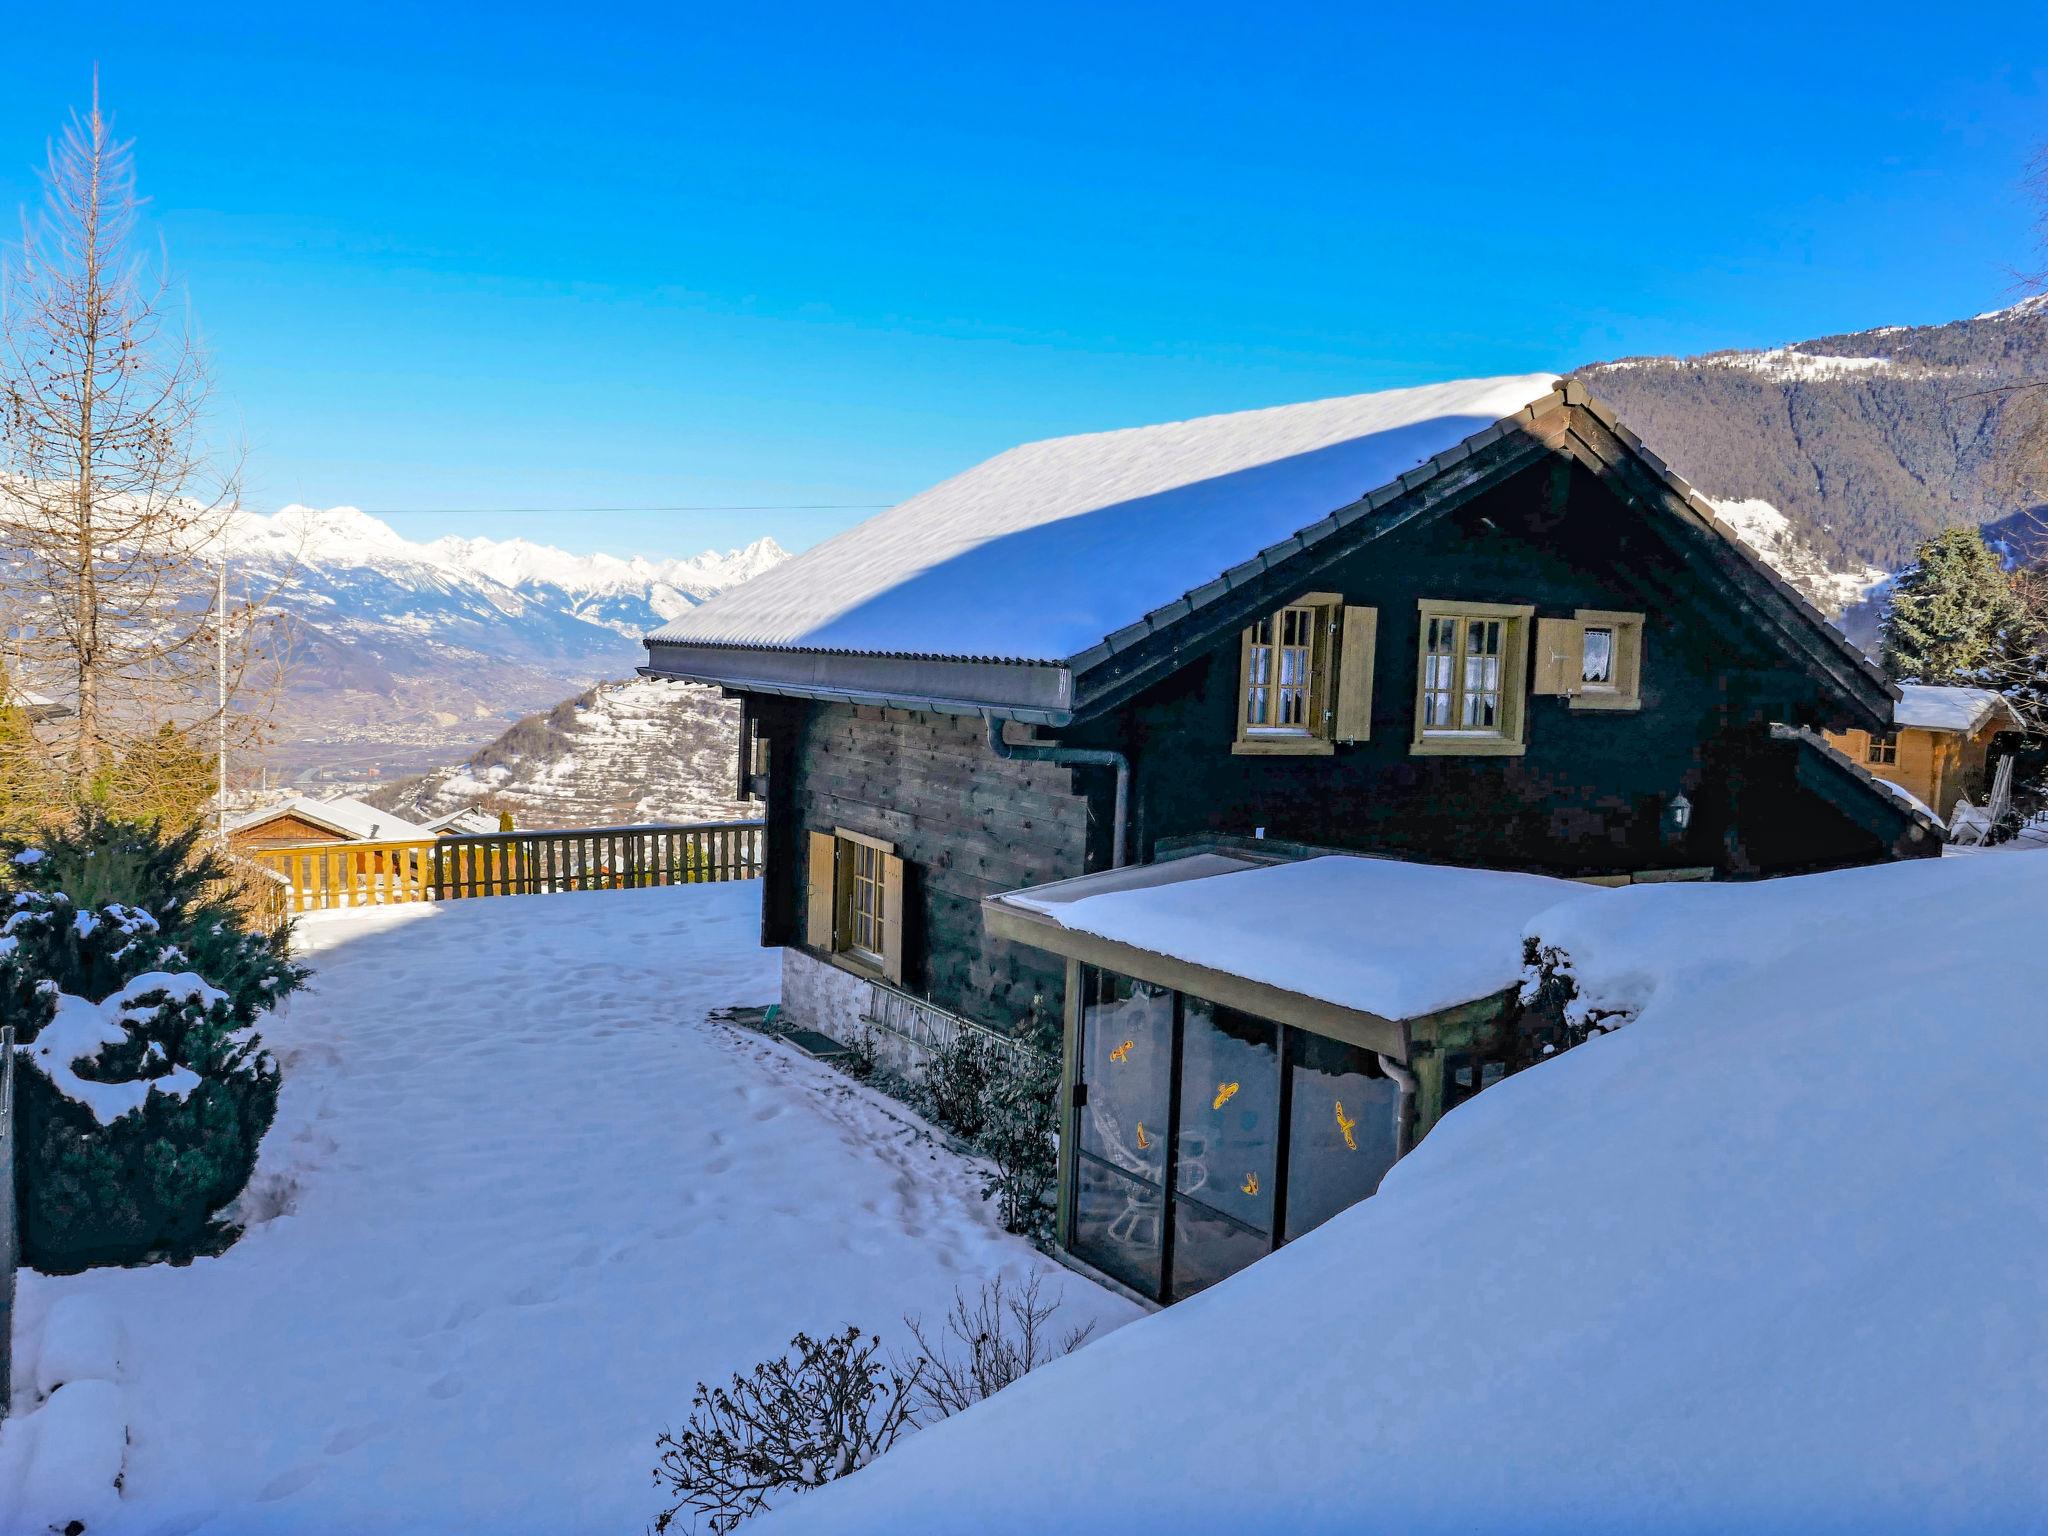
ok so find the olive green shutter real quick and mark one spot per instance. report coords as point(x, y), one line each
point(823, 891)
point(892, 918)
point(1560, 655)
point(1357, 639)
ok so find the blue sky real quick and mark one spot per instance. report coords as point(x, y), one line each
point(520, 257)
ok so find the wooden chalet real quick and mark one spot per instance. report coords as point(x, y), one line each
point(1477, 629)
point(1938, 745)
point(303, 822)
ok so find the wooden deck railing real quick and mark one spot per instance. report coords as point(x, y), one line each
point(326, 875)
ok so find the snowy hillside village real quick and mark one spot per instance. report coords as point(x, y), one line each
point(1395, 887)
point(1457, 953)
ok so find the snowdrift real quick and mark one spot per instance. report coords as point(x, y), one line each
point(1770, 1258)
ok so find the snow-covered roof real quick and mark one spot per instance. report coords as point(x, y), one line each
point(350, 817)
point(1041, 552)
point(1938, 707)
point(466, 819)
point(1339, 928)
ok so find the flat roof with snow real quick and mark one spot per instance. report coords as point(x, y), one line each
point(1367, 943)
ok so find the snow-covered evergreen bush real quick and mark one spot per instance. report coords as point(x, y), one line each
point(134, 989)
point(1554, 1016)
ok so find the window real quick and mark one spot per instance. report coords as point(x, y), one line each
point(1471, 678)
point(856, 901)
point(1593, 659)
point(1305, 677)
point(1884, 749)
point(1203, 1137)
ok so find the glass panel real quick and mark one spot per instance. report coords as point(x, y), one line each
point(1127, 1063)
point(864, 900)
point(1117, 1225)
point(1597, 664)
point(1126, 1066)
point(1438, 672)
point(1482, 675)
point(1340, 1132)
point(1258, 673)
point(1229, 1132)
point(1208, 1247)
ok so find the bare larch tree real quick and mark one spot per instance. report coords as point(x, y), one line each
point(112, 514)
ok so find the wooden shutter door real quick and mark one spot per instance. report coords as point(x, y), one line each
point(823, 891)
point(1357, 639)
point(892, 918)
point(1560, 648)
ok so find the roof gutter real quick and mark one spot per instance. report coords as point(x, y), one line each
point(1091, 757)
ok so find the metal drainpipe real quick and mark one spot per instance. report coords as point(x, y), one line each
point(1404, 1112)
point(1086, 757)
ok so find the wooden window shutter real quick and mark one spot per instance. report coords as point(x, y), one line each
point(1357, 639)
point(1560, 655)
point(823, 877)
point(892, 918)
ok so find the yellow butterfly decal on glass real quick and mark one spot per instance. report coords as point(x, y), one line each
point(1144, 1141)
point(1122, 1053)
point(1251, 1184)
point(1225, 1092)
point(1347, 1124)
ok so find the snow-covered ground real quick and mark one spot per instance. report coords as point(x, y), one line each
point(519, 1199)
point(1770, 1258)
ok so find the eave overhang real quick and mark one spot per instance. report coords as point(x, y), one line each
point(1035, 693)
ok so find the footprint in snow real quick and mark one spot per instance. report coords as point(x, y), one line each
point(285, 1484)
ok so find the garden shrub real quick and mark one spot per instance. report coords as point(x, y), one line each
point(953, 1085)
point(1020, 1135)
point(983, 1345)
point(122, 951)
point(826, 1408)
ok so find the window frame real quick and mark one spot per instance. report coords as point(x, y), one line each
point(847, 847)
point(1625, 692)
point(1315, 736)
point(1886, 742)
point(1510, 737)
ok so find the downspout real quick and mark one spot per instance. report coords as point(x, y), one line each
point(1079, 757)
point(1404, 1109)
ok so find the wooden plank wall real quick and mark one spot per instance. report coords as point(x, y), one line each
point(966, 823)
point(1588, 796)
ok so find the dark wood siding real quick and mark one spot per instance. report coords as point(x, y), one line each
point(965, 823)
point(1590, 794)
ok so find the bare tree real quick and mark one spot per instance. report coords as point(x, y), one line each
point(112, 514)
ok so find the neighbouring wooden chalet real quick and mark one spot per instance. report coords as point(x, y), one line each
point(1094, 735)
point(303, 822)
point(1938, 745)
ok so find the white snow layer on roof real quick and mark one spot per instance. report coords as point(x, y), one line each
point(1767, 1259)
point(1937, 707)
point(1042, 551)
point(356, 818)
point(1341, 929)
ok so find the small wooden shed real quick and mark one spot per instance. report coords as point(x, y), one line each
point(1938, 745)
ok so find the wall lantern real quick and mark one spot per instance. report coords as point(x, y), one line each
point(1679, 812)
